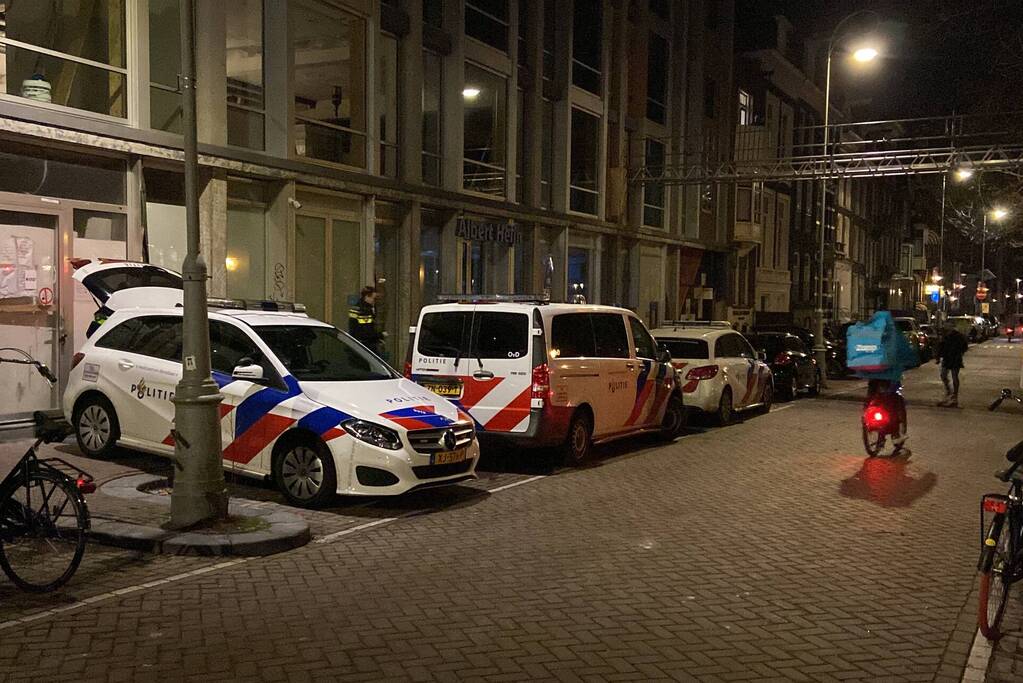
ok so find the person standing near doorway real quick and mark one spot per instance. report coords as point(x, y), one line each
point(949, 356)
point(362, 321)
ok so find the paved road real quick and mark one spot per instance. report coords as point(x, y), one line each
point(769, 549)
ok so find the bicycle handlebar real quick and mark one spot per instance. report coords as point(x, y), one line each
point(29, 360)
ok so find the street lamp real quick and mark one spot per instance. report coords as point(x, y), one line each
point(862, 54)
point(998, 214)
point(963, 174)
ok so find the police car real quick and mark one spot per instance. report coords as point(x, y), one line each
point(303, 402)
point(719, 370)
point(534, 373)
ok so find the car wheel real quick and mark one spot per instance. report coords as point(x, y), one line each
point(725, 407)
point(579, 442)
point(815, 390)
point(792, 388)
point(674, 418)
point(96, 427)
point(305, 474)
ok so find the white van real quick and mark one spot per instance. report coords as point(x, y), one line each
point(543, 374)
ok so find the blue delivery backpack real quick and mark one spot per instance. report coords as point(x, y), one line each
point(872, 346)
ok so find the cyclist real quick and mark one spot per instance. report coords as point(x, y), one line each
point(888, 383)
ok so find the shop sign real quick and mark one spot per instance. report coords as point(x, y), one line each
point(488, 231)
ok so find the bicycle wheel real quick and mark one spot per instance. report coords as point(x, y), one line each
point(994, 591)
point(873, 440)
point(46, 522)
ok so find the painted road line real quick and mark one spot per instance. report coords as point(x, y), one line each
point(102, 597)
point(775, 409)
point(517, 483)
point(368, 525)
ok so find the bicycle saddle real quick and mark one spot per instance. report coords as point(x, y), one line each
point(51, 425)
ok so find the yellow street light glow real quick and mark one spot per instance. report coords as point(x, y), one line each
point(963, 174)
point(471, 93)
point(999, 213)
point(865, 54)
point(231, 263)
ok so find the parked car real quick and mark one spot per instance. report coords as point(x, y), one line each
point(539, 374)
point(793, 366)
point(932, 336)
point(304, 403)
point(834, 345)
point(910, 329)
point(967, 325)
point(1012, 326)
point(719, 370)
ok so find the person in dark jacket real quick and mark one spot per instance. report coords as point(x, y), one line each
point(362, 321)
point(949, 356)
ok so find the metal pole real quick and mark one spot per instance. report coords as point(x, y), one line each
point(821, 350)
point(199, 493)
point(941, 251)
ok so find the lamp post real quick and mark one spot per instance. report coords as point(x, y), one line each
point(864, 54)
point(199, 493)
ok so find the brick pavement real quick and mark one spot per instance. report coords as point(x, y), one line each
point(770, 549)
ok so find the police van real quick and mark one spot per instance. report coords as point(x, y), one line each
point(304, 403)
point(546, 374)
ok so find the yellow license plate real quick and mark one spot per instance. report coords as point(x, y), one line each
point(445, 390)
point(448, 457)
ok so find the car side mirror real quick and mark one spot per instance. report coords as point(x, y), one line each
point(248, 370)
point(663, 354)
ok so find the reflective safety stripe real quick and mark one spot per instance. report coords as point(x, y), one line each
point(359, 318)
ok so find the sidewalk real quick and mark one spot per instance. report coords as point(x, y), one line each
point(123, 516)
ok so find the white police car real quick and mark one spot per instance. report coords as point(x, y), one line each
point(303, 402)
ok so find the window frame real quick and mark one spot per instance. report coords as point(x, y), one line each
point(638, 329)
point(503, 107)
point(575, 190)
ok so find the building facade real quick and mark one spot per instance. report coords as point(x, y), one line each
point(421, 146)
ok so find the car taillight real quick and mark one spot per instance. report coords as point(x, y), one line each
point(782, 359)
point(995, 504)
point(76, 359)
point(541, 387)
point(408, 370)
point(703, 372)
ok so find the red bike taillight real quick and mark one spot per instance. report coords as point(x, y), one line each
point(408, 370)
point(995, 504)
point(876, 416)
point(85, 485)
point(541, 385)
point(782, 359)
point(703, 372)
point(76, 359)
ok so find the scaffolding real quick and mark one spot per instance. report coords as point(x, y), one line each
point(894, 147)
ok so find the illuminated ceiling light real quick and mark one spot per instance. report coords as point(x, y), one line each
point(231, 263)
point(865, 54)
point(470, 93)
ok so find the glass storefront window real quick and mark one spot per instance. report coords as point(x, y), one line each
point(310, 261)
point(385, 277)
point(583, 180)
point(431, 256)
point(52, 173)
point(345, 273)
point(246, 240)
point(246, 105)
point(164, 65)
point(487, 22)
point(520, 152)
point(587, 44)
point(387, 105)
point(165, 218)
point(653, 193)
point(547, 154)
point(88, 70)
point(328, 50)
point(579, 274)
point(431, 117)
point(484, 131)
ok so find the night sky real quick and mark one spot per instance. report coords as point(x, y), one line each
point(939, 56)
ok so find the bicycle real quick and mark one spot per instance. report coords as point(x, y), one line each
point(884, 415)
point(1001, 554)
point(44, 518)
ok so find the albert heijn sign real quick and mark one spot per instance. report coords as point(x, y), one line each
point(488, 231)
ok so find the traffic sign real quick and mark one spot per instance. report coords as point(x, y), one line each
point(45, 296)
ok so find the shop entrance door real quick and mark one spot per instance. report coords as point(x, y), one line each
point(32, 310)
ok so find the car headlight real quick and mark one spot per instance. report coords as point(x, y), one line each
point(374, 434)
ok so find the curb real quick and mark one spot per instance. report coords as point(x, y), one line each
point(287, 531)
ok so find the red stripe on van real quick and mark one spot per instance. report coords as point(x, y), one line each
point(512, 414)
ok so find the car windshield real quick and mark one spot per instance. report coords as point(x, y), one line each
point(904, 325)
point(323, 354)
point(771, 344)
point(685, 348)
